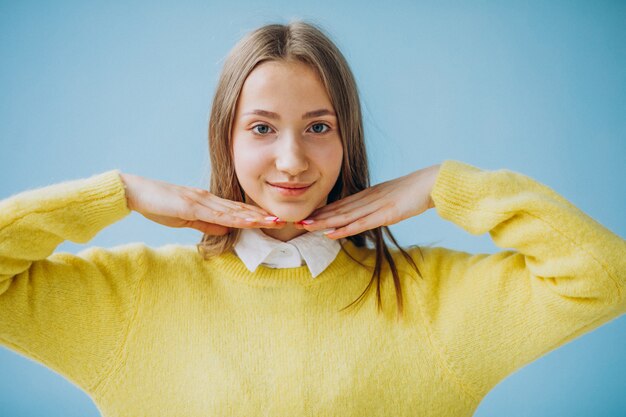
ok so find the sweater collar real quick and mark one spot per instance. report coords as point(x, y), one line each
point(312, 249)
point(341, 267)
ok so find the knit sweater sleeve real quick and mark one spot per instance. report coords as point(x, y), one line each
point(562, 274)
point(68, 312)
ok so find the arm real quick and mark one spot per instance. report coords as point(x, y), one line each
point(69, 312)
point(491, 314)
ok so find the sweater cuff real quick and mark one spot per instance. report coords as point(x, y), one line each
point(103, 202)
point(456, 190)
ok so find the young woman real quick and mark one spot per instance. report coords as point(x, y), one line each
point(253, 321)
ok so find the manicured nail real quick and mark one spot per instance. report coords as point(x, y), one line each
point(307, 221)
point(272, 218)
point(327, 231)
point(250, 219)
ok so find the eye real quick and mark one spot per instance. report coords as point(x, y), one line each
point(263, 131)
point(317, 128)
point(320, 124)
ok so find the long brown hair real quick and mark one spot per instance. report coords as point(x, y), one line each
point(307, 43)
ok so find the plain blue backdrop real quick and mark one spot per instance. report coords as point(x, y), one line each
point(538, 87)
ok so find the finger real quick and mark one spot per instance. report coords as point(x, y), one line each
point(206, 197)
point(345, 204)
point(243, 206)
point(241, 215)
point(265, 223)
point(334, 205)
point(346, 208)
point(360, 225)
point(250, 216)
point(334, 220)
point(253, 219)
point(236, 207)
point(219, 215)
point(256, 217)
point(208, 228)
point(223, 206)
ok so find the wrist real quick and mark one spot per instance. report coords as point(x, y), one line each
point(127, 180)
point(434, 173)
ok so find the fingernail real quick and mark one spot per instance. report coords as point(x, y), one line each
point(250, 219)
point(307, 221)
point(327, 231)
point(272, 218)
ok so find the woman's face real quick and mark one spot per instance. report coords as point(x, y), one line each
point(276, 140)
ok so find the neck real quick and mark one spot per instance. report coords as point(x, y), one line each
point(285, 233)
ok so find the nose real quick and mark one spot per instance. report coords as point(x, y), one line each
point(290, 155)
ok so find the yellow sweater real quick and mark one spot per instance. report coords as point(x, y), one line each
point(161, 332)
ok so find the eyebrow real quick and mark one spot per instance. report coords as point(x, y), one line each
point(307, 115)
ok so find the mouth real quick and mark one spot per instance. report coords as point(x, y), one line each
point(290, 190)
point(291, 186)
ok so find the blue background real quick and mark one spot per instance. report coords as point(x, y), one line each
point(536, 87)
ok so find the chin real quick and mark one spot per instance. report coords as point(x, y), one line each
point(288, 214)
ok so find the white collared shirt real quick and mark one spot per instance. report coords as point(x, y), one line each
point(311, 248)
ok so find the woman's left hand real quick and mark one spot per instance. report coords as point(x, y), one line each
point(380, 205)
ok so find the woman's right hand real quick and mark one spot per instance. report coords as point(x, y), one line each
point(179, 206)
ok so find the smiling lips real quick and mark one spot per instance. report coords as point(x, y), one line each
point(290, 189)
point(290, 185)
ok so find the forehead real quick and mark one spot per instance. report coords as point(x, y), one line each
point(279, 82)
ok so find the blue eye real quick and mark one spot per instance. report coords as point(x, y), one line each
point(321, 124)
point(263, 129)
point(260, 125)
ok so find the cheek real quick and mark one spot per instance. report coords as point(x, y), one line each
point(249, 165)
point(332, 158)
point(244, 158)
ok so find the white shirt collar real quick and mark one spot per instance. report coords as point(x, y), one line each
point(311, 248)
